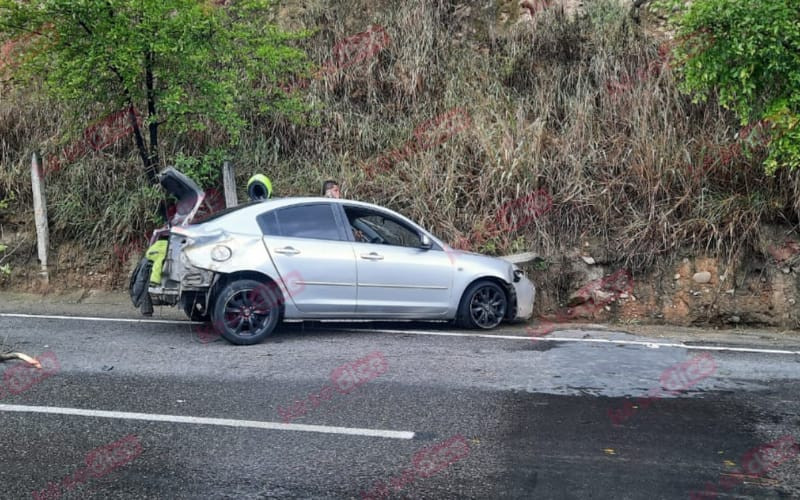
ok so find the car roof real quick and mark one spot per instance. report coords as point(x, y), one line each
point(250, 210)
point(274, 203)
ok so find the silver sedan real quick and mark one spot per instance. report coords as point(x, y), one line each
point(248, 267)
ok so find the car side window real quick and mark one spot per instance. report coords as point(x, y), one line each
point(373, 227)
point(305, 221)
point(268, 222)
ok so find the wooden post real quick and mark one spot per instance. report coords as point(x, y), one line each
point(40, 214)
point(229, 182)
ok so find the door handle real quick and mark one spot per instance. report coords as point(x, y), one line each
point(372, 256)
point(287, 251)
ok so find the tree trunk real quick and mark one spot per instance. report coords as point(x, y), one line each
point(149, 155)
point(149, 166)
point(151, 111)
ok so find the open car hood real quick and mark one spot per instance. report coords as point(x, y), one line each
point(190, 197)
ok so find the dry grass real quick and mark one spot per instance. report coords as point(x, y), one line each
point(557, 104)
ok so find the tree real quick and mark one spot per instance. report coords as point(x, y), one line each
point(747, 53)
point(183, 64)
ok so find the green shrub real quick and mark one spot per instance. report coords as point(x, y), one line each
point(747, 54)
point(205, 169)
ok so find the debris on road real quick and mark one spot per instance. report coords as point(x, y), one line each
point(7, 356)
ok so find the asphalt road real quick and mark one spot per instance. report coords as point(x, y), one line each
point(521, 418)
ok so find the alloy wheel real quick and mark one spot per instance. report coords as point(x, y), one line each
point(247, 312)
point(487, 307)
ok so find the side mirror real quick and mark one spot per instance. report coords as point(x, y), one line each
point(425, 242)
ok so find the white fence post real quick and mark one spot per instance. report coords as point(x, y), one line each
point(40, 214)
point(229, 182)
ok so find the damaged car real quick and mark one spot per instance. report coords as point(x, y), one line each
point(249, 267)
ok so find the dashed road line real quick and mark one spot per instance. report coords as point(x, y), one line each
point(224, 422)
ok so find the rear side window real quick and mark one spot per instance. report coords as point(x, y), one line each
point(268, 223)
point(306, 221)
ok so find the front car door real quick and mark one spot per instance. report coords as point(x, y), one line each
point(396, 277)
point(309, 246)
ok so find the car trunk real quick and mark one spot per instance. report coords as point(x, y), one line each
point(188, 195)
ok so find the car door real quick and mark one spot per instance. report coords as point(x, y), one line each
point(396, 277)
point(309, 246)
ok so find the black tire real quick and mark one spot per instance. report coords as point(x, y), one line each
point(483, 306)
point(189, 302)
point(246, 311)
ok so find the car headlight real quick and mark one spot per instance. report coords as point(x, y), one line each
point(221, 253)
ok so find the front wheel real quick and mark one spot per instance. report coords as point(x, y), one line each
point(483, 306)
point(246, 312)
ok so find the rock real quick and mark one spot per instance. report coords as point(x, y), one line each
point(787, 251)
point(786, 270)
point(702, 277)
point(587, 259)
point(601, 297)
point(576, 300)
point(735, 319)
point(677, 276)
point(685, 260)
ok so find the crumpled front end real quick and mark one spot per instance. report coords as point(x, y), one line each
point(526, 294)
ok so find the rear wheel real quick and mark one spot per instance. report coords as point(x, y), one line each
point(483, 306)
point(246, 311)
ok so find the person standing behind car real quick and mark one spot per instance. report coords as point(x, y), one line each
point(330, 189)
point(259, 187)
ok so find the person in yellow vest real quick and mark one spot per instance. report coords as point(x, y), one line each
point(259, 187)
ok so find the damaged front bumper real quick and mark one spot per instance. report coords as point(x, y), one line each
point(526, 294)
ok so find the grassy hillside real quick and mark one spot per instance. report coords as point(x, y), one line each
point(584, 107)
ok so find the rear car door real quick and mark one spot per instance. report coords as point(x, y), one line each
point(396, 277)
point(309, 246)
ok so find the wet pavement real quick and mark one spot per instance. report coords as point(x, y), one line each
point(578, 414)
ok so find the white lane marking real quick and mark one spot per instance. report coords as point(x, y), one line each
point(226, 422)
point(652, 345)
point(90, 318)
